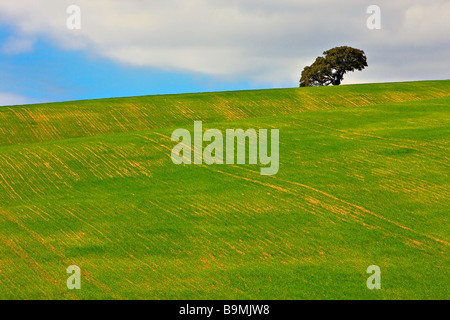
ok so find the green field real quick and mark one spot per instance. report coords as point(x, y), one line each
point(363, 180)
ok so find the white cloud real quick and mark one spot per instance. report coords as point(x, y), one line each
point(9, 99)
point(429, 25)
point(264, 40)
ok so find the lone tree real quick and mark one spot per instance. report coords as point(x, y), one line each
point(331, 68)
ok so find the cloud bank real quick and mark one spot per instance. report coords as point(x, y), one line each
point(259, 40)
point(10, 99)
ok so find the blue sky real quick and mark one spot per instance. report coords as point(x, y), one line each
point(134, 47)
point(47, 73)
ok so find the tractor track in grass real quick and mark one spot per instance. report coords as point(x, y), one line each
point(362, 181)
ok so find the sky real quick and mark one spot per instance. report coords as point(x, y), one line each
point(144, 47)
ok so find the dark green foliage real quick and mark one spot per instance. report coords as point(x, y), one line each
point(331, 68)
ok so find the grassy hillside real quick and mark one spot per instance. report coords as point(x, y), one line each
point(363, 180)
point(56, 121)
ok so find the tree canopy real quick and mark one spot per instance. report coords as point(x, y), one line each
point(331, 68)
